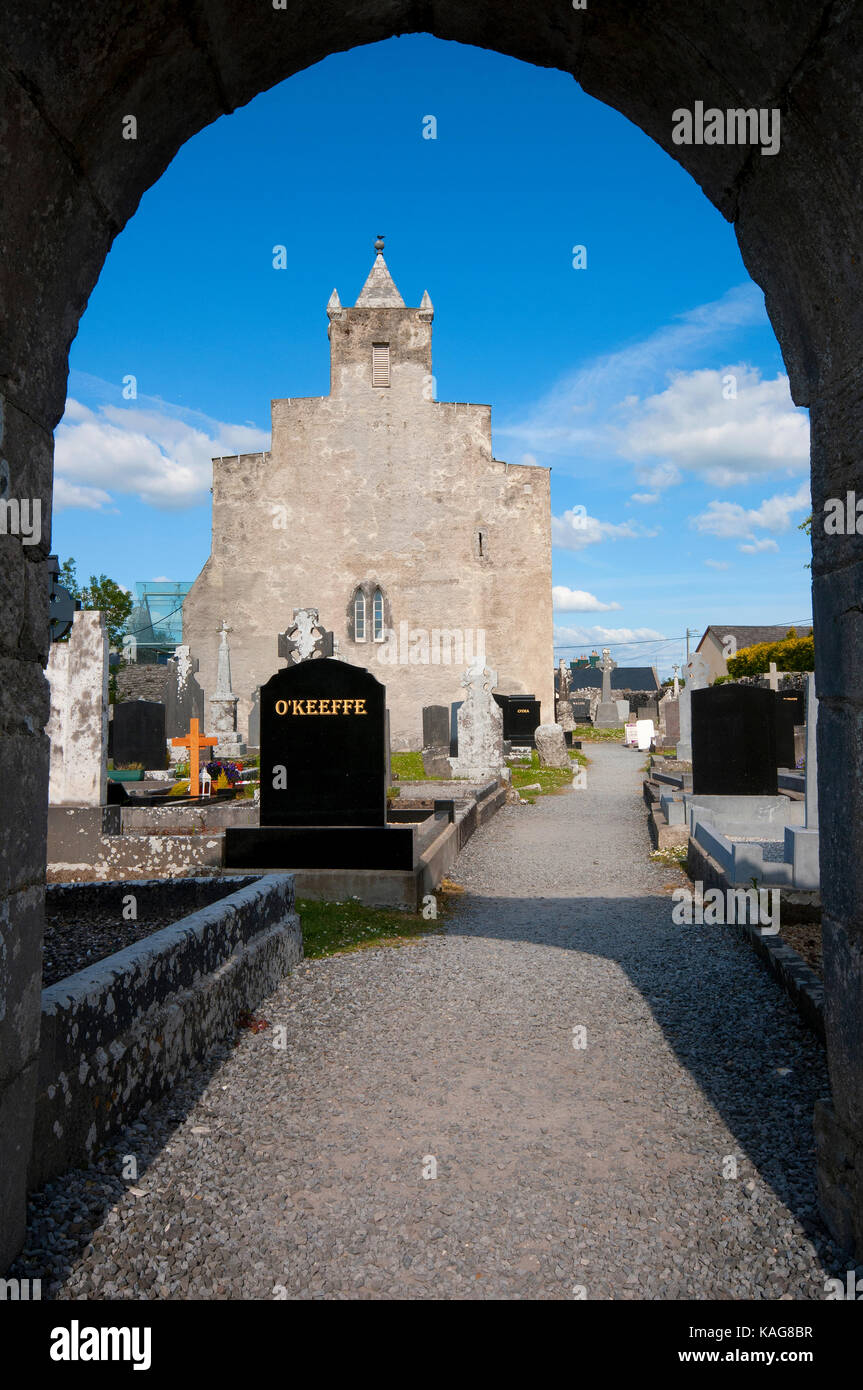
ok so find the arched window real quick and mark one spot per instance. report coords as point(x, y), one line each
point(378, 616)
point(359, 616)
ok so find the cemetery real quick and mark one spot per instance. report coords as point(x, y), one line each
point(565, 1093)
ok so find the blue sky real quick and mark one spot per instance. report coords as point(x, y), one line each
point(650, 381)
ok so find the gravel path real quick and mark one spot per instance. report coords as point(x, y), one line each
point(299, 1172)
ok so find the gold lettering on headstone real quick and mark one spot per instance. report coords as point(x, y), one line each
point(321, 706)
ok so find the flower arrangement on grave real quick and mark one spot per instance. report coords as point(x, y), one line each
point(229, 771)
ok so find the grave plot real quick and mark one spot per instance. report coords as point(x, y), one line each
point(86, 922)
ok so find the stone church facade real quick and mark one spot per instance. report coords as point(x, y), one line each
point(385, 509)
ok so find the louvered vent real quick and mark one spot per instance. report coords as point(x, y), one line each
point(380, 364)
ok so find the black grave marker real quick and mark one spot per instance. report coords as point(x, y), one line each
point(139, 734)
point(323, 746)
point(789, 709)
point(436, 726)
point(734, 741)
point(521, 716)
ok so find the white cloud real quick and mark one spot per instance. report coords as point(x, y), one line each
point(151, 451)
point(595, 635)
point(575, 530)
point(732, 521)
point(718, 564)
point(578, 601)
point(67, 494)
point(579, 413)
point(645, 498)
point(692, 426)
point(755, 547)
point(662, 475)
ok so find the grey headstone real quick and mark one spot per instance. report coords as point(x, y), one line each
point(551, 746)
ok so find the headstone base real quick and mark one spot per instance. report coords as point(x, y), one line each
point(320, 847)
point(608, 716)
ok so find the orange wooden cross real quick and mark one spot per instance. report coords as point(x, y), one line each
point(194, 742)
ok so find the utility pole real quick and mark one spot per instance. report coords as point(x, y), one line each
point(690, 632)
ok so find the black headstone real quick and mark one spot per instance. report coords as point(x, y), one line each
point(581, 711)
point(323, 746)
point(453, 727)
point(139, 734)
point(734, 741)
point(435, 726)
point(521, 715)
point(790, 710)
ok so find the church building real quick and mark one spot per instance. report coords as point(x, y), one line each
point(385, 510)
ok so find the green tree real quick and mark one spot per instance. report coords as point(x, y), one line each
point(103, 594)
point(806, 525)
point(793, 653)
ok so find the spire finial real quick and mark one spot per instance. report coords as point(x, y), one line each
point(379, 244)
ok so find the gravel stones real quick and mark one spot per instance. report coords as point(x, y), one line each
point(606, 1099)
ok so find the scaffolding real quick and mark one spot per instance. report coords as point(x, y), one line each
point(156, 621)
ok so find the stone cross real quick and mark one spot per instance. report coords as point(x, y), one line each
point(480, 726)
point(564, 682)
point(773, 677)
point(676, 670)
point(194, 741)
point(305, 638)
point(606, 666)
point(223, 673)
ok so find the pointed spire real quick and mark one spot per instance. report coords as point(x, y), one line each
point(379, 291)
point(334, 305)
point(426, 309)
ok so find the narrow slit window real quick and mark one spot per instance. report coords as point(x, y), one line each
point(378, 616)
point(380, 364)
point(359, 616)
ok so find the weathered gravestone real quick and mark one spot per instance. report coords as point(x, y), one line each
point(697, 678)
point(551, 746)
point(78, 723)
point(323, 775)
point(734, 741)
point(184, 698)
point(436, 741)
point(670, 710)
point(223, 704)
point(480, 726)
point(790, 713)
point(139, 734)
point(564, 710)
point(521, 717)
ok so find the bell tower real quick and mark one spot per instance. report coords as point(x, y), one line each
point(380, 350)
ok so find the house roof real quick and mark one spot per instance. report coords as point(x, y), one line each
point(622, 678)
point(750, 636)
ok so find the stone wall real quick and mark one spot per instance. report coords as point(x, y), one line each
point(136, 682)
point(124, 1031)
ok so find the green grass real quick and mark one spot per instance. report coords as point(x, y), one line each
point(551, 779)
point(330, 929)
point(589, 734)
point(408, 767)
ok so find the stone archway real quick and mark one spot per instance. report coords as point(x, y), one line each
point(71, 76)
